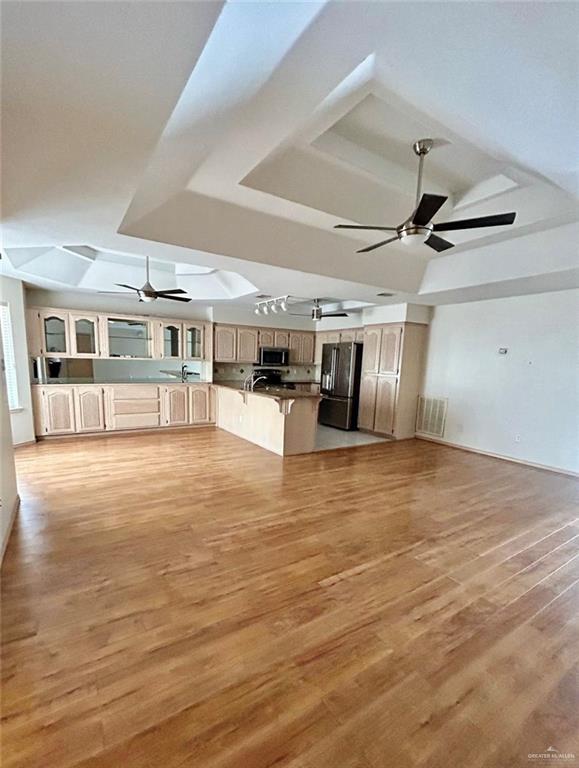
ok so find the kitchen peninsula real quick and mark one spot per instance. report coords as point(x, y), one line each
point(279, 420)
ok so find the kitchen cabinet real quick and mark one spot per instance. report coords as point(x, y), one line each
point(346, 336)
point(281, 339)
point(225, 344)
point(127, 337)
point(308, 341)
point(33, 333)
point(176, 405)
point(301, 347)
point(267, 337)
point(360, 335)
point(84, 335)
point(371, 354)
point(295, 348)
point(390, 345)
point(132, 406)
point(385, 404)
point(247, 345)
point(56, 411)
point(367, 403)
point(193, 341)
point(89, 409)
point(169, 341)
point(55, 333)
point(199, 404)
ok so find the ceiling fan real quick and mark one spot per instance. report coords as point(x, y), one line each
point(318, 313)
point(148, 293)
point(419, 227)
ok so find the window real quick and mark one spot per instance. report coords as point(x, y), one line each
point(9, 361)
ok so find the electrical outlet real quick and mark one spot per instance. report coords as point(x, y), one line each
point(517, 438)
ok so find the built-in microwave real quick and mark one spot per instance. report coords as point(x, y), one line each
point(273, 356)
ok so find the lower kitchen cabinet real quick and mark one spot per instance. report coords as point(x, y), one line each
point(199, 404)
point(89, 409)
point(367, 404)
point(76, 409)
point(133, 406)
point(176, 405)
point(385, 404)
point(54, 410)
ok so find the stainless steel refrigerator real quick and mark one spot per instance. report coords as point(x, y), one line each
point(340, 385)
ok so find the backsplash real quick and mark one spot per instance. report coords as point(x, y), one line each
point(239, 371)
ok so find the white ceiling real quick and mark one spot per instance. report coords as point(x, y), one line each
point(232, 137)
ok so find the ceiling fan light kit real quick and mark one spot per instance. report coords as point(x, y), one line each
point(419, 227)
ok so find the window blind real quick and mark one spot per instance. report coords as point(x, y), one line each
point(9, 360)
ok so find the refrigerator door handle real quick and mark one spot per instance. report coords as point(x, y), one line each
point(334, 356)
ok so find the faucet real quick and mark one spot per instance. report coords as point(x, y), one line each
point(254, 381)
point(184, 372)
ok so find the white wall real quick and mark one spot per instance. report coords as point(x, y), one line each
point(22, 420)
point(245, 315)
point(376, 315)
point(531, 392)
point(8, 488)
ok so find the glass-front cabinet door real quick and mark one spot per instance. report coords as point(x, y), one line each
point(55, 334)
point(171, 340)
point(193, 342)
point(84, 335)
point(128, 337)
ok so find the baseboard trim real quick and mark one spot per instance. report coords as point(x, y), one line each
point(15, 508)
point(532, 464)
point(23, 445)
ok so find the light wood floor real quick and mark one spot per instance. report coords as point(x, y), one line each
point(189, 599)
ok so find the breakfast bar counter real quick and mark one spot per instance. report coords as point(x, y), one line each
point(280, 420)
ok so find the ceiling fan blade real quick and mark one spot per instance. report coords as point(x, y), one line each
point(377, 245)
point(171, 290)
point(334, 314)
point(130, 287)
point(299, 314)
point(438, 244)
point(118, 293)
point(499, 219)
point(173, 298)
point(428, 207)
point(360, 226)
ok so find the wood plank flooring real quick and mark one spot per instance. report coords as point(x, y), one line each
point(189, 599)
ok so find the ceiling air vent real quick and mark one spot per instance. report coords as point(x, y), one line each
point(263, 296)
point(385, 294)
point(431, 416)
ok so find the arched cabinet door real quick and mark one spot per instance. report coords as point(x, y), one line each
point(55, 333)
point(171, 340)
point(84, 336)
point(193, 340)
point(57, 405)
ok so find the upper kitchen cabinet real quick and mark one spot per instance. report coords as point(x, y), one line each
point(267, 337)
point(308, 340)
point(84, 335)
point(127, 337)
point(281, 339)
point(171, 340)
point(301, 347)
point(33, 333)
point(194, 334)
point(247, 345)
point(225, 344)
point(55, 332)
point(371, 355)
point(390, 346)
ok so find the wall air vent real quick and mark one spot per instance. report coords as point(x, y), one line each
point(431, 416)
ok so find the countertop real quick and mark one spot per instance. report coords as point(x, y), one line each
point(277, 393)
point(78, 382)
